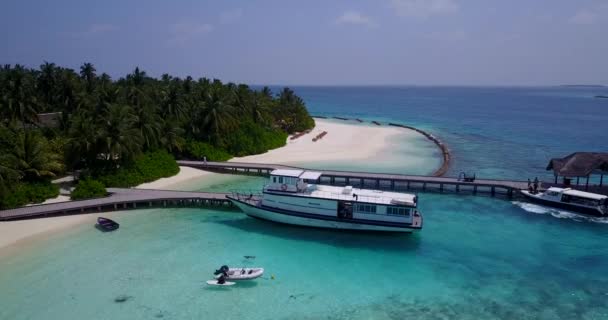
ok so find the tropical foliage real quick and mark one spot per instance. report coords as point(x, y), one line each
point(109, 129)
point(88, 188)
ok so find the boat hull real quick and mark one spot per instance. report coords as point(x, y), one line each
point(293, 219)
point(562, 205)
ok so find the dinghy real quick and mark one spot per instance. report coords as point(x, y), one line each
point(216, 283)
point(106, 224)
point(239, 273)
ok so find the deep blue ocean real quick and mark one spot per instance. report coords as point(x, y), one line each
point(476, 258)
point(497, 132)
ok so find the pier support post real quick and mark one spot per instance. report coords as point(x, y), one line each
point(475, 189)
point(493, 191)
point(392, 184)
point(441, 187)
point(424, 186)
point(377, 183)
point(99, 208)
point(347, 180)
point(587, 184)
point(361, 183)
point(115, 207)
point(124, 205)
point(408, 185)
point(149, 203)
point(457, 188)
point(332, 180)
point(134, 205)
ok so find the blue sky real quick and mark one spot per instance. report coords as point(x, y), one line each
point(332, 42)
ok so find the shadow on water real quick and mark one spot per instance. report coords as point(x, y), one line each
point(377, 241)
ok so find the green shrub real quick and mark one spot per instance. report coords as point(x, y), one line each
point(147, 167)
point(88, 188)
point(24, 193)
point(251, 138)
point(199, 150)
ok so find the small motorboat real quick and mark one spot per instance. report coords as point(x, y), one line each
point(239, 273)
point(105, 224)
point(217, 283)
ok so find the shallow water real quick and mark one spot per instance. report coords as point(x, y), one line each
point(476, 258)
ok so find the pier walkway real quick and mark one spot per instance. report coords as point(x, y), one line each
point(383, 181)
point(120, 199)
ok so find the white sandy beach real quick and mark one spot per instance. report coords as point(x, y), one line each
point(345, 141)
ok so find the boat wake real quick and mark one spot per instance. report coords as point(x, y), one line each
point(560, 214)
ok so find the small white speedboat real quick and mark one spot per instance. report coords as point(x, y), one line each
point(216, 283)
point(241, 273)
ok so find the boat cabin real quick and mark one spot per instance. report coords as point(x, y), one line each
point(583, 198)
point(291, 180)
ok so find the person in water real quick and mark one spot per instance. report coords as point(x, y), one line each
point(221, 279)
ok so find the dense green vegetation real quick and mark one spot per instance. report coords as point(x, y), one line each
point(88, 188)
point(128, 131)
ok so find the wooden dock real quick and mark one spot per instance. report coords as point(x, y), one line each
point(380, 181)
point(120, 199)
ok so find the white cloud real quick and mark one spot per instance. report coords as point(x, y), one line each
point(93, 30)
point(424, 8)
point(231, 16)
point(183, 32)
point(584, 16)
point(353, 17)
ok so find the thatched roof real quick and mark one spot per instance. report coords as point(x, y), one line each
point(579, 164)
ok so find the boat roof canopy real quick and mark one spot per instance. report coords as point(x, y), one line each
point(296, 173)
point(310, 175)
point(577, 193)
point(287, 172)
point(584, 194)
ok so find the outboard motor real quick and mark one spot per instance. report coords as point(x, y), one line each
point(223, 269)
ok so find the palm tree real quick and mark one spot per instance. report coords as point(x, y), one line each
point(84, 138)
point(87, 72)
point(217, 115)
point(47, 83)
point(149, 124)
point(120, 139)
point(31, 157)
point(18, 100)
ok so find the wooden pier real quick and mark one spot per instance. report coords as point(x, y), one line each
point(121, 199)
point(380, 181)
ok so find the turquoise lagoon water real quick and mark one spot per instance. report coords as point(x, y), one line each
point(476, 258)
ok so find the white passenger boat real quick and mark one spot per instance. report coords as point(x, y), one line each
point(289, 198)
point(572, 200)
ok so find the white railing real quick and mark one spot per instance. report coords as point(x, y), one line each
point(346, 197)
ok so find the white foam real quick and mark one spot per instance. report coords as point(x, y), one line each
point(560, 214)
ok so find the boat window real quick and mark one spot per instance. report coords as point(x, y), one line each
point(280, 179)
point(274, 179)
point(397, 211)
point(580, 201)
point(553, 193)
point(366, 208)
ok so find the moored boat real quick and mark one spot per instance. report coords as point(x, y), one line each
point(239, 273)
point(289, 198)
point(106, 224)
point(571, 200)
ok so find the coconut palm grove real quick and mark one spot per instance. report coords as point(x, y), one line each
point(124, 132)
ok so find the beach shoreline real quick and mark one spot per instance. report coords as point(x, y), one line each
point(342, 142)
